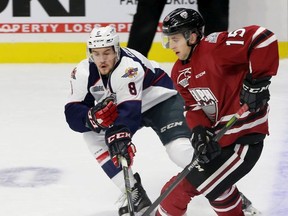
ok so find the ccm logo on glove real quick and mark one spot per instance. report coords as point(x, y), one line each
point(255, 93)
point(118, 136)
point(118, 140)
point(255, 90)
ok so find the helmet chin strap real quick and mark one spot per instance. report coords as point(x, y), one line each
point(117, 58)
point(199, 36)
point(187, 60)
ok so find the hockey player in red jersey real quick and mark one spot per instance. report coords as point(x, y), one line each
point(216, 75)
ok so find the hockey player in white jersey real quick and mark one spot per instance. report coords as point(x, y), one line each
point(144, 96)
point(115, 92)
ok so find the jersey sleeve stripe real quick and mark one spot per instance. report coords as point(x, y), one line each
point(267, 42)
point(266, 34)
point(257, 33)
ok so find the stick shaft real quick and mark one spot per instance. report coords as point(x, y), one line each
point(127, 185)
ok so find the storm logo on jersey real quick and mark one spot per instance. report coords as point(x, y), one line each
point(184, 76)
point(207, 101)
point(130, 72)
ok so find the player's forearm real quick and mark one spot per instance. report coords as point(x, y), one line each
point(76, 117)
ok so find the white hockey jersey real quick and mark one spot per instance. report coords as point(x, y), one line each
point(136, 83)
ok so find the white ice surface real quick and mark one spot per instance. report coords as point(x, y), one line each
point(47, 170)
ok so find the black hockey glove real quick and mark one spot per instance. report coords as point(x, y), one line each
point(118, 140)
point(102, 115)
point(204, 147)
point(255, 93)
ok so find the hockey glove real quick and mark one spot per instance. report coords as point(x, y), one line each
point(204, 147)
point(255, 93)
point(102, 115)
point(118, 140)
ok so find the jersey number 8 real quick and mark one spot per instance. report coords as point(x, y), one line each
point(132, 88)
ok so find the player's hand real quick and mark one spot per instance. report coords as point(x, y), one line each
point(118, 140)
point(102, 115)
point(255, 93)
point(204, 147)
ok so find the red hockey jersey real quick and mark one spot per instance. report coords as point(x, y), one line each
point(211, 80)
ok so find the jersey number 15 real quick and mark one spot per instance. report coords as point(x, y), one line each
point(238, 32)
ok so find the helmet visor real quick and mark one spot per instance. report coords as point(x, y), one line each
point(172, 39)
point(165, 41)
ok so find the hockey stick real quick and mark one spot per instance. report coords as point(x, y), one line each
point(127, 185)
point(190, 166)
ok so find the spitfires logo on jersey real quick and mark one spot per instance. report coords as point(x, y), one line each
point(207, 101)
point(184, 76)
point(130, 72)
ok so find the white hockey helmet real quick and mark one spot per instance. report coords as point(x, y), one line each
point(104, 37)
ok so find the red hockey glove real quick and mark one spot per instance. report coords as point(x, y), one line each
point(204, 147)
point(102, 115)
point(118, 140)
point(255, 93)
